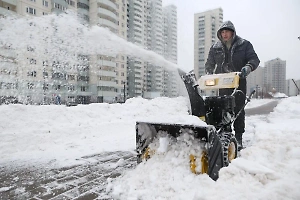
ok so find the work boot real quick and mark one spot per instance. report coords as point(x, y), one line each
point(240, 145)
point(239, 139)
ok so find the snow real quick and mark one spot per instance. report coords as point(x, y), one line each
point(56, 135)
point(278, 95)
point(65, 37)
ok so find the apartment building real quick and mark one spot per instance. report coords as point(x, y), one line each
point(255, 81)
point(206, 25)
point(137, 30)
point(170, 81)
point(154, 78)
point(275, 75)
point(154, 28)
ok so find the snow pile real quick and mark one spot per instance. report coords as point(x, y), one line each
point(268, 169)
point(278, 95)
point(61, 135)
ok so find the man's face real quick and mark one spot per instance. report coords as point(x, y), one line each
point(226, 35)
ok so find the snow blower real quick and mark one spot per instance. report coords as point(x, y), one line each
point(218, 143)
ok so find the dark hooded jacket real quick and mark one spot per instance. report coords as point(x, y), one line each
point(222, 60)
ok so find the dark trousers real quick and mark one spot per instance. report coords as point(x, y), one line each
point(240, 98)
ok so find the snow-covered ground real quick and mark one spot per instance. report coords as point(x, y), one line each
point(267, 169)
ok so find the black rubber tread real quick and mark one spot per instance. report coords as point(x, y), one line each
point(215, 156)
point(226, 138)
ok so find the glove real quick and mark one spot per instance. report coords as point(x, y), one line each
point(245, 71)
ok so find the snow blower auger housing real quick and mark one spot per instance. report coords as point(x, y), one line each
point(218, 143)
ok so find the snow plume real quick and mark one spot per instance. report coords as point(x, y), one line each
point(62, 37)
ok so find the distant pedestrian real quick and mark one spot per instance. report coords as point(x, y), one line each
point(233, 54)
point(57, 100)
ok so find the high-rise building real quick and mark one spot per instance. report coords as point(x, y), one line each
point(206, 25)
point(137, 30)
point(154, 78)
point(170, 33)
point(275, 75)
point(154, 28)
point(255, 81)
point(170, 82)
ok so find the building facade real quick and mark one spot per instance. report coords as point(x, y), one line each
point(275, 75)
point(255, 81)
point(206, 25)
point(154, 28)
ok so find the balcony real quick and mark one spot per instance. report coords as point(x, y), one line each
point(107, 83)
point(107, 93)
point(84, 1)
point(10, 2)
point(107, 23)
point(83, 11)
point(107, 63)
point(107, 3)
point(61, 2)
point(9, 54)
point(107, 13)
point(107, 73)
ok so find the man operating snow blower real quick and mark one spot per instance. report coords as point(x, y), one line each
point(233, 54)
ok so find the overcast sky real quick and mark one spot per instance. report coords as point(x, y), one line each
point(272, 26)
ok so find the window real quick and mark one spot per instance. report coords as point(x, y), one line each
point(30, 48)
point(83, 88)
point(58, 6)
point(83, 78)
point(71, 77)
point(45, 74)
point(45, 86)
point(45, 3)
point(56, 87)
point(58, 75)
point(30, 10)
point(71, 88)
point(32, 73)
point(30, 86)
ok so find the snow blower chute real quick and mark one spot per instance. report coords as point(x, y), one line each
point(218, 143)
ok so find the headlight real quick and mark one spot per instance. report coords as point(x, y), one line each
point(210, 82)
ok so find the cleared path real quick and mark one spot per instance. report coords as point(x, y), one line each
point(263, 109)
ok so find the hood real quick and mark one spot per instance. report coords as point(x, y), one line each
point(226, 25)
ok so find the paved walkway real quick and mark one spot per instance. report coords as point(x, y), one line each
point(263, 109)
point(85, 181)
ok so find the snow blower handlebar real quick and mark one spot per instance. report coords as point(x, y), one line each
point(246, 102)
